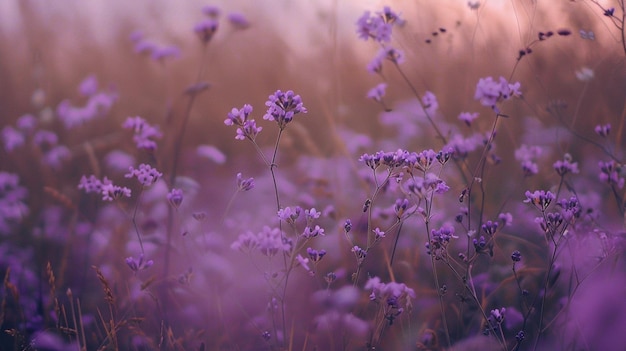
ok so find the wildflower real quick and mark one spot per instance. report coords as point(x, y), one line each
point(378, 234)
point(603, 130)
point(373, 27)
point(175, 197)
point(610, 173)
point(143, 132)
point(238, 20)
point(12, 205)
point(12, 138)
point(378, 92)
point(312, 232)
point(562, 167)
point(145, 174)
point(468, 117)
point(137, 265)
point(516, 256)
point(211, 11)
point(244, 184)
point(429, 101)
point(205, 29)
point(315, 255)
point(490, 227)
point(112, 192)
point(498, 315)
point(26, 123)
point(609, 12)
point(396, 297)
point(506, 218)
point(527, 155)
point(282, 107)
point(162, 53)
point(91, 184)
point(400, 206)
point(347, 226)
point(490, 92)
point(89, 86)
point(289, 215)
point(540, 198)
point(439, 240)
point(304, 262)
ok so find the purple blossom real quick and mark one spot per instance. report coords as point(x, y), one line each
point(247, 128)
point(12, 205)
point(139, 264)
point(562, 167)
point(610, 173)
point(304, 262)
point(269, 242)
point(289, 214)
point(89, 86)
point(175, 197)
point(145, 174)
point(282, 107)
point(26, 123)
point(506, 218)
point(315, 255)
point(56, 155)
point(244, 184)
point(378, 92)
point(211, 11)
point(165, 52)
point(527, 155)
point(98, 104)
point(312, 232)
point(373, 27)
point(378, 234)
point(12, 138)
point(205, 29)
point(143, 132)
point(45, 139)
point(468, 117)
point(429, 101)
point(238, 20)
point(112, 192)
point(539, 198)
point(489, 92)
point(603, 130)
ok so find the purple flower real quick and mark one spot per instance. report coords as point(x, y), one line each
point(45, 139)
point(468, 117)
point(347, 226)
point(603, 130)
point(506, 218)
point(89, 86)
point(304, 262)
point(539, 198)
point(527, 155)
point(112, 192)
point(162, 53)
point(313, 232)
point(490, 92)
point(244, 184)
point(12, 197)
point(211, 11)
point(378, 234)
point(610, 173)
point(429, 101)
point(175, 197)
point(562, 167)
point(378, 92)
point(143, 132)
point(374, 27)
point(145, 174)
point(516, 256)
point(12, 138)
point(137, 265)
point(269, 242)
point(205, 29)
point(238, 20)
point(26, 123)
point(289, 215)
point(282, 107)
point(315, 255)
point(609, 12)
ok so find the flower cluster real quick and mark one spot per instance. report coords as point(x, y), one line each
point(244, 184)
point(145, 174)
point(143, 132)
point(246, 128)
point(105, 187)
point(139, 264)
point(268, 242)
point(539, 198)
point(97, 105)
point(439, 240)
point(175, 197)
point(610, 173)
point(282, 107)
point(378, 26)
point(12, 197)
point(489, 92)
point(393, 297)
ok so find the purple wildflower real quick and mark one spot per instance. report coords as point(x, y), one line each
point(378, 92)
point(12, 138)
point(562, 167)
point(490, 92)
point(244, 184)
point(238, 20)
point(610, 173)
point(145, 174)
point(175, 197)
point(315, 255)
point(539, 198)
point(139, 264)
point(205, 29)
point(468, 117)
point(603, 130)
point(143, 132)
point(282, 107)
